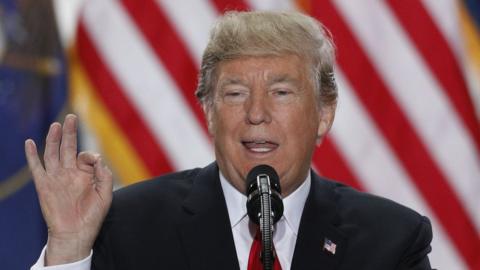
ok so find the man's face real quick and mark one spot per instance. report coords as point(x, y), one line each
point(265, 112)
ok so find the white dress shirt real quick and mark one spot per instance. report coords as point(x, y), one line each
point(78, 265)
point(286, 230)
point(284, 237)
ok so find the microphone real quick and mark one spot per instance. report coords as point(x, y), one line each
point(264, 206)
point(263, 180)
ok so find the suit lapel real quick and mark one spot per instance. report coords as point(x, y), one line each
point(320, 244)
point(204, 228)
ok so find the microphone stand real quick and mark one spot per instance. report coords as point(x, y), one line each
point(266, 221)
point(264, 207)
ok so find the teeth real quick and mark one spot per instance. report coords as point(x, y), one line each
point(261, 149)
point(260, 146)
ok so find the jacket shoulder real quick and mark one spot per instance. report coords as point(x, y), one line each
point(399, 232)
point(169, 187)
point(366, 208)
point(142, 223)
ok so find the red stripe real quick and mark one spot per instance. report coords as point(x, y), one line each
point(437, 53)
point(226, 5)
point(400, 134)
point(326, 157)
point(331, 164)
point(169, 48)
point(127, 118)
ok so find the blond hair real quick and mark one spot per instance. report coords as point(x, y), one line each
point(265, 33)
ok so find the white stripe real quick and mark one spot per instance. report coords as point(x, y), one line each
point(380, 172)
point(271, 4)
point(420, 96)
point(445, 15)
point(472, 72)
point(147, 84)
point(192, 21)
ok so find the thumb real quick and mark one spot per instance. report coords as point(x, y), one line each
point(104, 178)
point(86, 161)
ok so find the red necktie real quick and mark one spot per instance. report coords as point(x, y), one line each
point(254, 261)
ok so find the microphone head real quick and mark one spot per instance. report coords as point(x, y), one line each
point(259, 170)
point(254, 196)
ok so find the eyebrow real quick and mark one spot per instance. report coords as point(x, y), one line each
point(230, 81)
point(283, 78)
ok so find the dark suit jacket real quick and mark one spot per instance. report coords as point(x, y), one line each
point(180, 221)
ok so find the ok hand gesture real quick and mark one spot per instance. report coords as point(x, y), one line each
point(75, 192)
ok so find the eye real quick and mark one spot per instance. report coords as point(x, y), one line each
point(281, 92)
point(233, 93)
point(234, 96)
point(282, 95)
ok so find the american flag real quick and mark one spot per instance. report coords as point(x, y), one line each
point(329, 246)
point(407, 123)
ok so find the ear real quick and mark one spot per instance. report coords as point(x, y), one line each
point(326, 115)
point(208, 112)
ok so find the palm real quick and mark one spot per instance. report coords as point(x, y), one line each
point(73, 202)
point(75, 191)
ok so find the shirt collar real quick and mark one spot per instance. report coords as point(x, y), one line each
point(293, 204)
point(236, 201)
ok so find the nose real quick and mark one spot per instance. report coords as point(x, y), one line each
point(257, 109)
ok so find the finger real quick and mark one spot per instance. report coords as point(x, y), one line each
point(68, 146)
point(34, 162)
point(52, 144)
point(104, 179)
point(86, 161)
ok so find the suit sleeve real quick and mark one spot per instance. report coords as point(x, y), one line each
point(416, 255)
point(102, 258)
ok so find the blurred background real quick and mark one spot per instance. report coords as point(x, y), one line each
point(407, 125)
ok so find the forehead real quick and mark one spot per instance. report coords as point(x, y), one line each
point(287, 68)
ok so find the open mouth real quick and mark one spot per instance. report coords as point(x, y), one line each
point(260, 146)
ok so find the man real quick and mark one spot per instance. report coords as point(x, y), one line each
point(268, 91)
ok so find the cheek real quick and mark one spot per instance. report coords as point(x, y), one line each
point(223, 123)
point(302, 120)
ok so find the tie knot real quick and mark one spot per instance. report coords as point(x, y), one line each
point(258, 234)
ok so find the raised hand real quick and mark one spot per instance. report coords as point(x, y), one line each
point(75, 192)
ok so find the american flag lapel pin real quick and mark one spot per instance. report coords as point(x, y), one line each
point(329, 246)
